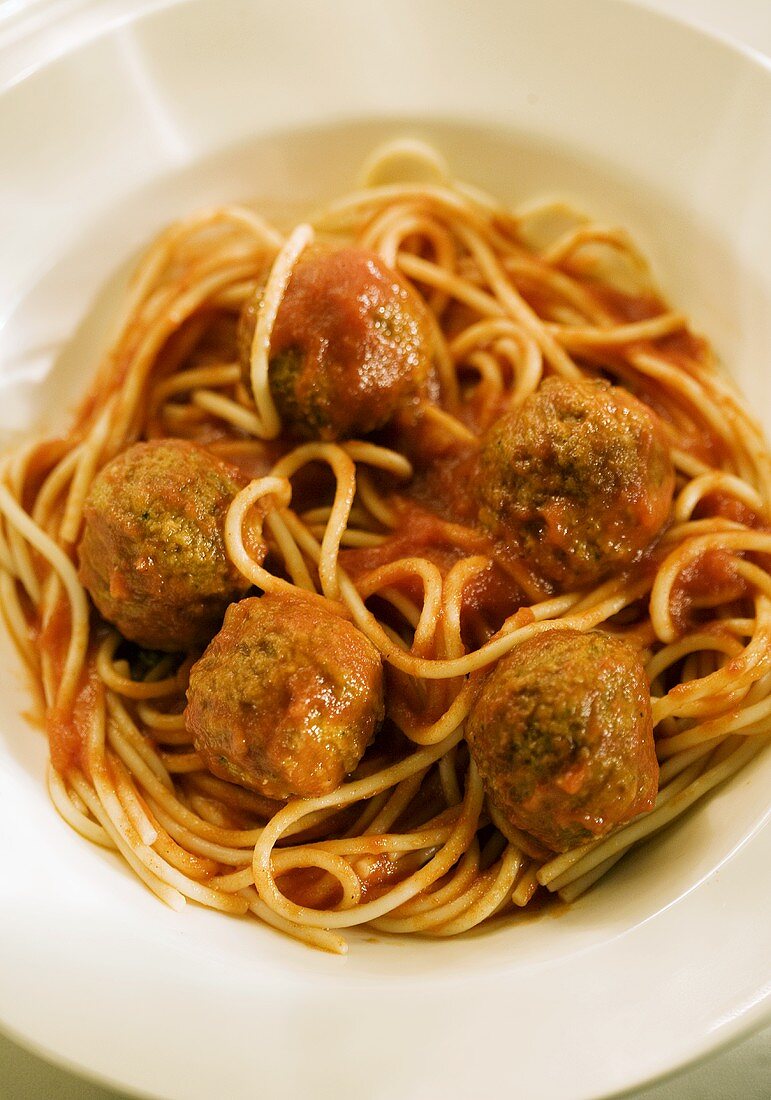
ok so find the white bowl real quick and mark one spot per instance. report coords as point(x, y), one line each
point(140, 118)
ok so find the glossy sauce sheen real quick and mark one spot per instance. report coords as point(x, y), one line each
point(349, 345)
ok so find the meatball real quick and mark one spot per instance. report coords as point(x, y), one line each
point(350, 347)
point(152, 554)
point(563, 738)
point(578, 481)
point(286, 698)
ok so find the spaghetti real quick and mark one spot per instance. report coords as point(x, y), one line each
point(383, 532)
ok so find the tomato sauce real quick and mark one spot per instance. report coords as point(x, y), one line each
point(493, 594)
point(728, 507)
point(67, 728)
point(626, 309)
point(710, 580)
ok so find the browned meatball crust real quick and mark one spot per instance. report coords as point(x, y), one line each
point(286, 698)
point(562, 736)
point(350, 347)
point(152, 554)
point(578, 481)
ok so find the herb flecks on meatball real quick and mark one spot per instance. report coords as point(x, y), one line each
point(351, 345)
point(562, 736)
point(578, 481)
point(152, 553)
point(286, 698)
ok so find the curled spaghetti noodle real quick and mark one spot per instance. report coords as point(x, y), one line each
point(408, 844)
